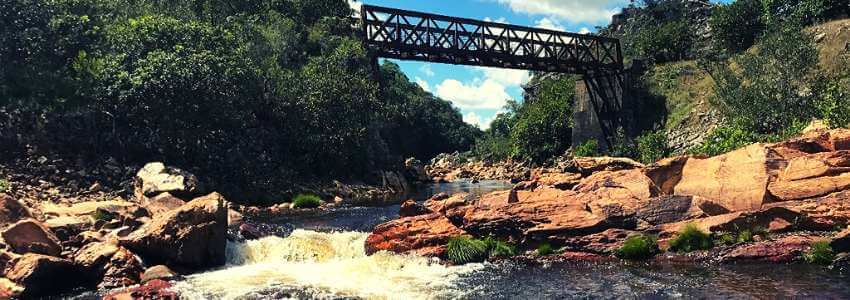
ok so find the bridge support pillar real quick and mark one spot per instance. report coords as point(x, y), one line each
point(599, 108)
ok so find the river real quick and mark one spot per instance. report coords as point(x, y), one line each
point(323, 258)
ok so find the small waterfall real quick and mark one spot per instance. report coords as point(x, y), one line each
point(332, 264)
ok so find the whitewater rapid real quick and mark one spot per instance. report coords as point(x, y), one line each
point(324, 265)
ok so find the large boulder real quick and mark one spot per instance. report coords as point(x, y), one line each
point(535, 215)
point(109, 265)
point(671, 209)
point(155, 178)
point(410, 208)
point(30, 236)
point(192, 236)
point(616, 196)
point(813, 175)
point(412, 233)
point(841, 241)
point(41, 275)
point(736, 180)
point(161, 203)
point(11, 210)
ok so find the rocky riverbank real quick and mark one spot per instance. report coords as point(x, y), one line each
point(795, 193)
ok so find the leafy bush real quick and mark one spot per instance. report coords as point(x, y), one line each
point(652, 147)
point(834, 105)
point(690, 239)
point(306, 201)
point(545, 249)
point(805, 11)
point(462, 250)
point(638, 247)
point(736, 26)
point(726, 239)
point(670, 41)
point(496, 248)
point(587, 149)
point(542, 127)
point(820, 254)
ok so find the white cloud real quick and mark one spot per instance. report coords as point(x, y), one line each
point(486, 94)
point(502, 20)
point(574, 11)
point(423, 84)
point(476, 120)
point(508, 77)
point(549, 23)
point(584, 30)
point(426, 69)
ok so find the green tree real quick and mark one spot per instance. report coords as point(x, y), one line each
point(543, 126)
point(736, 26)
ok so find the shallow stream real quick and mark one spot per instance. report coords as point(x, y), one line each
point(323, 258)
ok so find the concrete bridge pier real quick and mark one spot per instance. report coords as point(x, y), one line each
point(600, 108)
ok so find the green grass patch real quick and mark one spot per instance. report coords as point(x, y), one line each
point(497, 248)
point(690, 239)
point(462, 250)
point(545, 249)
point(306, 201)
point(820, 254)
point(638, 247)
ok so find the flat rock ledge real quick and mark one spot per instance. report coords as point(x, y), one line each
point(797, 190)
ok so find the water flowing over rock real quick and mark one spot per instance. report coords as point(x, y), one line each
point(192, 236)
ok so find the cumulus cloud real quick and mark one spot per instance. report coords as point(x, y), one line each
point(474, 119)
point(423, 84)
point(549, 23)
point(508, 77)
point(584, 30)
point(574, 11)
point(486, 94)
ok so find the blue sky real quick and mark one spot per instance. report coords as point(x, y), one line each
point(479, 92)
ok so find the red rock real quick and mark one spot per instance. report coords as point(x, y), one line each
point(823, 212)
point(154, 289)
point(192, 236)
point(736, 180)
point(412, 233)
point(589, 165)
point(670, 209)
point(782, 250)
point(11, 210)
point(410, 208)
point(616, 196)
point(813, 175)
point(580, 256)
point(563, 181)
point(30, 236)
point(41, 275)
point(605, 242)
point(161, 203)
point(159, 272)
point(109, 265)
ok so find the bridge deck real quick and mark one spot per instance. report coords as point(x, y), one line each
point(409, 35)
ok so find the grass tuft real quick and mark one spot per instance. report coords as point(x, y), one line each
point(638, 247)
point(462, 250)
point(690, 239)
point(306, 201)
point(545, 249)
point(820, 254)
point(4, 185)
point(496, 248)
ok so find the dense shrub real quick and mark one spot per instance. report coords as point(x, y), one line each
point(542, 127)
point(820, 254)
point(306, 201)
point(666, 42)
point(589, 148)
point(638, 247)
point(462, 250)
point(736, 26)
point(690, 239)
point(652, 147)
point(834, 105)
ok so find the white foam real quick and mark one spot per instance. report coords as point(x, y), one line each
point(334, 263)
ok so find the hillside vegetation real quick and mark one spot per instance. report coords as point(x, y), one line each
point(728, 75)
point(256, 95)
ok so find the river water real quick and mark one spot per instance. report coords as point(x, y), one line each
point(323, 258)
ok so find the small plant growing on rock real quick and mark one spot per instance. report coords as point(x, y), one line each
point(462, 250)
point(306, 201)
point(101, 215)
point(545, 249)
point(726, 239)
point(638, 247)
point(690, 239)
point(820, 254)
point(4, 185)
point(745, 236)
point(496, 248)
